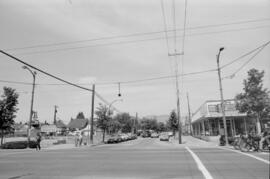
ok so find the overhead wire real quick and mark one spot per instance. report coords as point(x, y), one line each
point(134, 34)
point(251, 58)
point(53, 76)
point(183, 44)
point(246, 54)
point(133, 41)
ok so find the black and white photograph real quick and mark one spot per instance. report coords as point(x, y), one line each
point(134, 89)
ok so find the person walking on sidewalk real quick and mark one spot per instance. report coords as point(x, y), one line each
point(38, 140)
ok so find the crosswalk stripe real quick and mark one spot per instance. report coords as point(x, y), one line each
point(200, 165)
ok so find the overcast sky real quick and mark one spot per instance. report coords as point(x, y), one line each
point(26, 23)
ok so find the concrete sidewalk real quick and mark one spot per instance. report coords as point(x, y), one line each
point(193, 142)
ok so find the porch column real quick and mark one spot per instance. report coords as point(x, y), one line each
point(245, 124)
point(234, 126)
point(218, 126)
point(231, 127)
point(210, 127)
point(203, 127)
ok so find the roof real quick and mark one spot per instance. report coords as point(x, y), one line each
point(60, 124)
point(77, 123)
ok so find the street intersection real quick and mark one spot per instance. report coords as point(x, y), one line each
point(141, 158)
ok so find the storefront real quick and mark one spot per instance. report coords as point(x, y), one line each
point(207, 120)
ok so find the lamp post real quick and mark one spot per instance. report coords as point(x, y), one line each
point(221, 97)
point(112, 103)
point(32, 102)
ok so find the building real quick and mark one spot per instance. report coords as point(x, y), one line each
point(80, 122)
point(207, 120)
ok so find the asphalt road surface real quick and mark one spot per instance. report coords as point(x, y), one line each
point(141, 158)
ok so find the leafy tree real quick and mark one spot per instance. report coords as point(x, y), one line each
point(80, 115)
point(172, 123)
point(114, 126)
point(125, 121)
point(103, 118)
point(255, 99)
point(8, 109)
point(149, 124)
point(161, 127)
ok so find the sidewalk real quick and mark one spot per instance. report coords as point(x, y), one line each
point(193, 142)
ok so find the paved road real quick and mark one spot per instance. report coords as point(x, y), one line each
point(142, 158)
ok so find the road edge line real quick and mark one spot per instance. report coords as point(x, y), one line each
point(200, 165)
point(252, 156)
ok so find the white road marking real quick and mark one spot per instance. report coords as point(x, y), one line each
point(200, 165)
point(252, 156)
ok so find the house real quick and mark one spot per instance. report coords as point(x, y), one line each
point(80, 122)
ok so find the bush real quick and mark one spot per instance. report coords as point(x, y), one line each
point(18, 145)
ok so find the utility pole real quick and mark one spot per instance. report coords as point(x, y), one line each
point(177, 94)
point(134, 123)
point(189, 116)
point(222, 100)
point(54, 117)
point(32, 103)
point(92, 115)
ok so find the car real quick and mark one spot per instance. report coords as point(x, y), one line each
point(170, 134)
point(114, 139)
point(164, 137)
point(154, 135)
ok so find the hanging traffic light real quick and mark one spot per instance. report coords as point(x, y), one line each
point(119, 93)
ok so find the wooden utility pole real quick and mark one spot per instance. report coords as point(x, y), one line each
point(54, 117)
point(189, 117)
point(92, 115)
point(177, 96)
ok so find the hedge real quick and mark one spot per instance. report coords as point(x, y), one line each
point(18, 145)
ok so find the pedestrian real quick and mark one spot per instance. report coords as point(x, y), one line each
point(76, 139)
point(38, 140)
point(265, 137)
point(80, 139)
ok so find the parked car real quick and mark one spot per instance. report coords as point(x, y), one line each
point(146, 134)
point(170, 134)
point(164, 137)
point(154, 135)
point(114, 139)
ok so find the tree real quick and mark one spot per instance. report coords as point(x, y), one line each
point(172, 123)
point(125, 121)
point(8, 109)
point(80, 115)
point(254, 101)
point(103, 118)
point(161, 127)
point(114, 126)
point(149, 124)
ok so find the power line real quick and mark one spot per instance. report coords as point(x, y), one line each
point(135, 34)
point(53, 76)
point(246, 54)
point(148, 79)
point(42, 71)
point(183, 42)
point(251, 58)
point(134, 41)
point(165, 25)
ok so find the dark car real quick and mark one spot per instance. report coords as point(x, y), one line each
point(164, 137)
point(114, 139)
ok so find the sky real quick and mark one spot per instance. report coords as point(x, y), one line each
point(123, 41)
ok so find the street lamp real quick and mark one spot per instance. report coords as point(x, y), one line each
point(221, 97)
point(112, 103)
point(32, 102)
